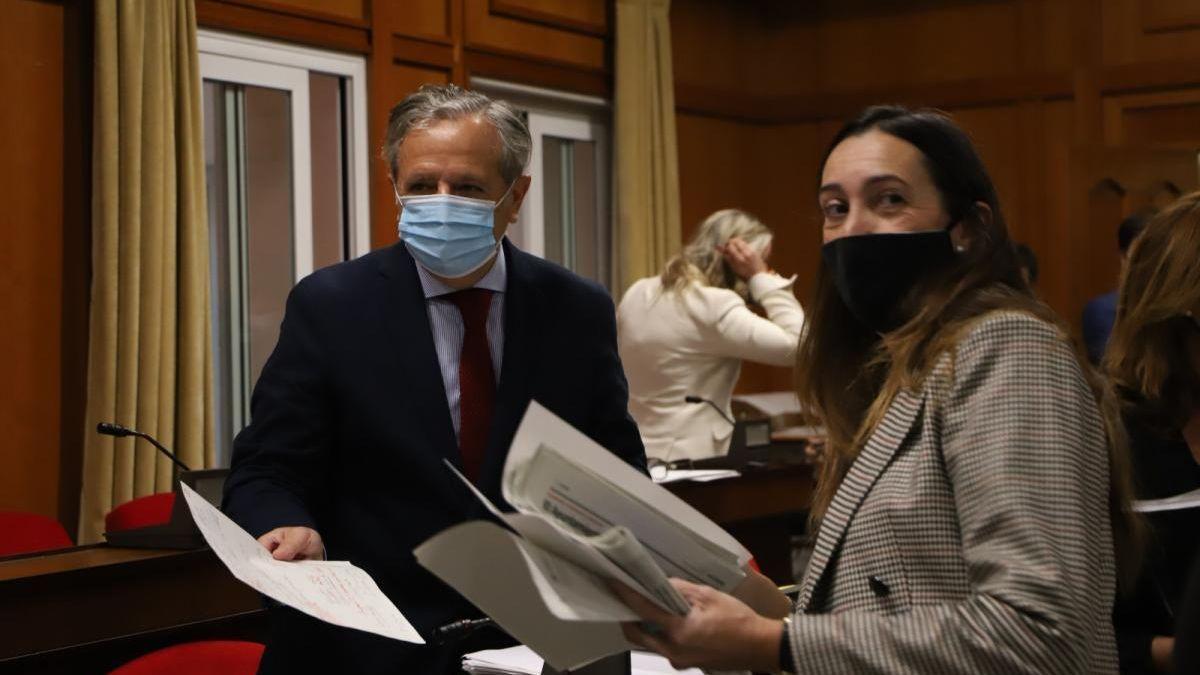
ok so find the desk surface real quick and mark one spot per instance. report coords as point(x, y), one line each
point(93, 594)
point(99, 605)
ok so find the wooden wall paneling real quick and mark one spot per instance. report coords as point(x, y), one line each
point(924, 44)
point(1165, 118)
point(1138, 31)
point(537, 73)
point(1107, 184)
point(589, 17)
point(349, 9)
point(78, 62)
point(1165, 16)
point(31, 261)
point(287, 23)
point(428, 20)
point(491, 33)
point(1055, 255)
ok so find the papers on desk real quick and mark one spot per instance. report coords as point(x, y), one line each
point(584, 517)
point(693, 475)
point(1187, 500)
point(522, 661)
point(335, 592)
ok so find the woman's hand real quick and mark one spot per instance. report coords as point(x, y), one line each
point(720, 632)
point(742, 258)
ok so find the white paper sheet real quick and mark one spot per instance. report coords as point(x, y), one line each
point(541, 427)
point(335, 592)
point(1187, 500)
point(522, 661)
point(695, 475)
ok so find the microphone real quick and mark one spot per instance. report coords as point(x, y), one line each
point(700, 399)
point(456, 631)
point(118, 431)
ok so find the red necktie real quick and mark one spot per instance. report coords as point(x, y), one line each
point(476, 379)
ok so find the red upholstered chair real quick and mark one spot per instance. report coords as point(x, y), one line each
point(212, 657)
point(29, 533)
point(152, 509)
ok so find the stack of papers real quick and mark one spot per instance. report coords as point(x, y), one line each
point(522, 661)
point(692, 475)
point(584, 519)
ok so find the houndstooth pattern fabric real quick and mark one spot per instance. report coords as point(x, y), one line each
point(972, 534)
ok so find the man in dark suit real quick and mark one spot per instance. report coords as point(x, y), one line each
point(430, 349)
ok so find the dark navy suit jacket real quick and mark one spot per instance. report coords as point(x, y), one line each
point(350, 425)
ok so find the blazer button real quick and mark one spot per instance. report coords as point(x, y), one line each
point(878, 586)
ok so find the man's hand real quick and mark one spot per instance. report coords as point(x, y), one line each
point(720, 632)
point(743, 259)
point(293, 543)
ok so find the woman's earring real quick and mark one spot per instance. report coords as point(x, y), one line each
point(959, 248)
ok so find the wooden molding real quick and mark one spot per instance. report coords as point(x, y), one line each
point(1160, 17)
point(508, 9)
point(422, 52)
point(757, 109)
point(539, 73)
point(272, 20)
point(1135, 77)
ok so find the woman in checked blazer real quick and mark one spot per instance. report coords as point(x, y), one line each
point(975, 480)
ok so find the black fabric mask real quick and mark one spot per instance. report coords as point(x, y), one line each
point(873, 272)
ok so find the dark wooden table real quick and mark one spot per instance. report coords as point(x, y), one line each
point(89, 609)
point(762, 508)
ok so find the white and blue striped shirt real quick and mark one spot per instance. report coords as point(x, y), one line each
point(446, 323)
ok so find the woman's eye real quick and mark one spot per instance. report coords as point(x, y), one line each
point(833, 209)
point(891, 199)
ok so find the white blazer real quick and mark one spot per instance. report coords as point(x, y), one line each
point(692, 343)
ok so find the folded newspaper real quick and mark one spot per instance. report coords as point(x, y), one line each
point(583, 518)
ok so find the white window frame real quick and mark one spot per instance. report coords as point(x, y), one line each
point(574, 120)
point(276, 65)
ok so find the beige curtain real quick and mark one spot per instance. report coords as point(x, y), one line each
point(149, 358)
point(647, 164)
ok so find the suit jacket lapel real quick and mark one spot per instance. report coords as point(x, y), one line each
point(876, 455)
point(407, 322)
point(522, 309)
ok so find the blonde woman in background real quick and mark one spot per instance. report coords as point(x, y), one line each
point(686, 333)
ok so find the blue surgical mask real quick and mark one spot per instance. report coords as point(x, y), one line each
point(449, 235)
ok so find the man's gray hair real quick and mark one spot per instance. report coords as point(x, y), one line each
point(434, 103)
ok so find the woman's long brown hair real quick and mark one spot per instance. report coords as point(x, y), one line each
point(1148, 355)
point(847, 375)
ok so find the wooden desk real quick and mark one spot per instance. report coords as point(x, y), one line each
point(91, 608)
point(761, 508)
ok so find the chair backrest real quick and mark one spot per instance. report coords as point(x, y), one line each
point(152, 509)
point(30, 532)
point(227, 657)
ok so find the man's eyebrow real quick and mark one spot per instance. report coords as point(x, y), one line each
point(883, 177)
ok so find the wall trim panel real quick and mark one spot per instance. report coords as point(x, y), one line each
point(290, 24)
point(511, 10)
point(420, 52)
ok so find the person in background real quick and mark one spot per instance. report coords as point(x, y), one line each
point(686, 332)
point(1028, 264)
point(1100, 312)
point(1153, 359)
point(974, 480)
